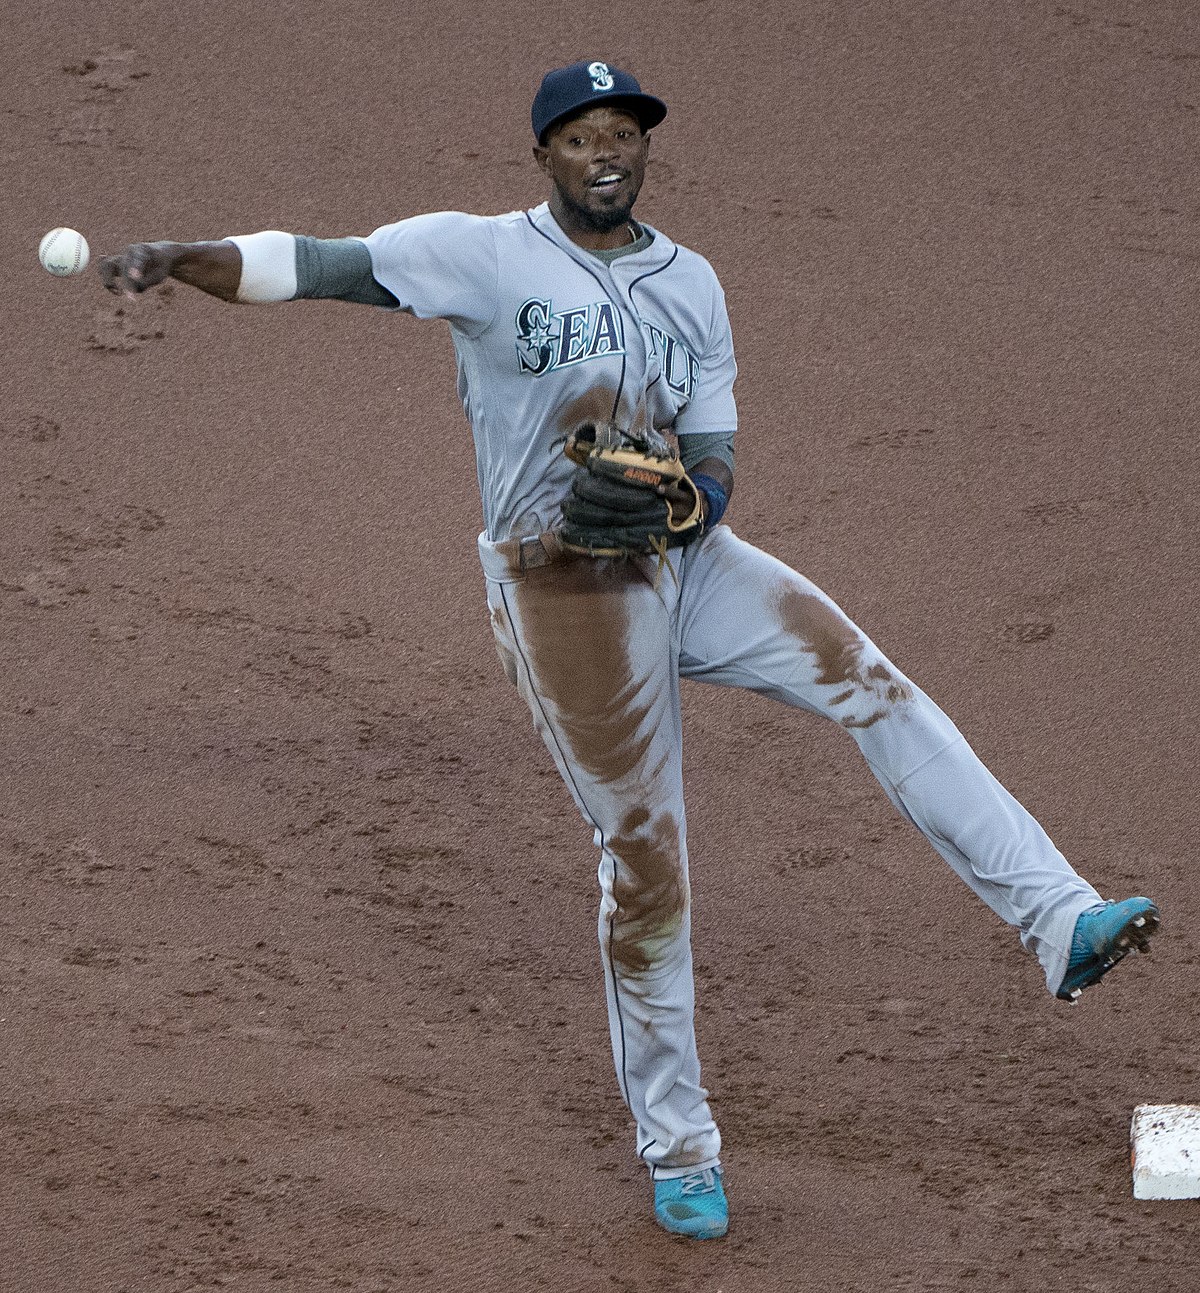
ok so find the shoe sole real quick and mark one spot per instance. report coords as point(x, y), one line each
point(689, 1234)
point(1134, 936)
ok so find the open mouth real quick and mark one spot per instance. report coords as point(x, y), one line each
point(608, 181)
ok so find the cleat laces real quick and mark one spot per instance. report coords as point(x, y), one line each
point(702, 1182)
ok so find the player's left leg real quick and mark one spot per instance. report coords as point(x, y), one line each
point(747, 620)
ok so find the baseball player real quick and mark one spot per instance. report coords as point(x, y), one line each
point(611, 574)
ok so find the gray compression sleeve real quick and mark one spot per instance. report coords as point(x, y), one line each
point(337, 269)
point(706, 444)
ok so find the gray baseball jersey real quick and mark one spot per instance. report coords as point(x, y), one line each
point(547, 334)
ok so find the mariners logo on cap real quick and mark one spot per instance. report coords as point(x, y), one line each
point(576, 88)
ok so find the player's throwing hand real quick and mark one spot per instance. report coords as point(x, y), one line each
point(213, 267)
point(139, 266)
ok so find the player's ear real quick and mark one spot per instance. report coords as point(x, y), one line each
point(541, 155)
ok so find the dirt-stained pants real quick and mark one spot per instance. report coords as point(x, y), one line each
point(597, 648)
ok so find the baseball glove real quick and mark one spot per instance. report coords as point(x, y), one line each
point(630, 494)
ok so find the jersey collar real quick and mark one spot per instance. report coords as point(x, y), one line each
point(653, 257)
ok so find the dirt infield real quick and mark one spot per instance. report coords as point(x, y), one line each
point(298, 978)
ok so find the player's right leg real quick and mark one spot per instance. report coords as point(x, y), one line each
point(589, 645)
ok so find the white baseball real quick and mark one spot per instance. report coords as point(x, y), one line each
point(63, 251)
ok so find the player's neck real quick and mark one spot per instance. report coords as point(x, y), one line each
point(587, 236)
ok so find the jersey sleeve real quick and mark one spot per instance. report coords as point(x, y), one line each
point(440, 266)
point(337, 269)
point(712, 407)
point(698, 445)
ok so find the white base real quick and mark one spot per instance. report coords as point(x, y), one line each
point(1165, 1140)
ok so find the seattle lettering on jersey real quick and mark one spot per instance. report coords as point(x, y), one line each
point(680, 368)
point(547, 340)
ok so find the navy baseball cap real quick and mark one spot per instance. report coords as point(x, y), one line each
point(568, 90)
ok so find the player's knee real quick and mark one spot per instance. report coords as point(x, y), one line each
point(650, 888)
point(870, 695)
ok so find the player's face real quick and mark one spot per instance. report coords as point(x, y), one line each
point(597, 162)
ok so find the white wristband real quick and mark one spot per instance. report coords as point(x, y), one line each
point(268, 266)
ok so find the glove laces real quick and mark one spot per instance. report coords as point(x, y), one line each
point(659, 543)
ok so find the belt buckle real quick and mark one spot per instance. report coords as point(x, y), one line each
point(533, 552)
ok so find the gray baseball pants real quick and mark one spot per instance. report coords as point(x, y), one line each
point(597, 648)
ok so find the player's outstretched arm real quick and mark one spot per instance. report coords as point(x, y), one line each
point(213, 267)
point(259, 268)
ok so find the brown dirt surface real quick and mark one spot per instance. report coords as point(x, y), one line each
point(298, 980)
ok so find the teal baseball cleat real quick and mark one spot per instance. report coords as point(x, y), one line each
point(693, 1205)
point(1103, 936)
